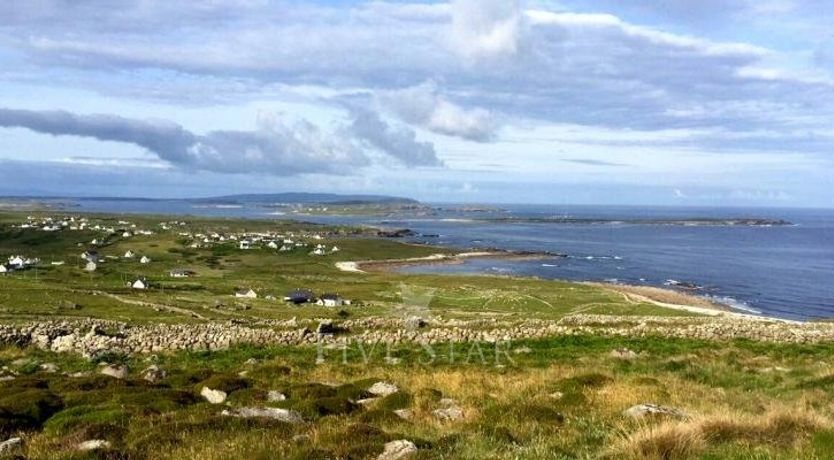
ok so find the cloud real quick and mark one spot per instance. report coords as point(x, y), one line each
point(487, 60)
point(424, 106)
point(398, 142)
point(486, 28)
point(589, 162)
point(274, 148)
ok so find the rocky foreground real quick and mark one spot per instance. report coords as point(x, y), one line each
point(91, 337)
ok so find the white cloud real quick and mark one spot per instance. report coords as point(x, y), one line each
point(486, 28)
point(424, 106)
point(275, 148)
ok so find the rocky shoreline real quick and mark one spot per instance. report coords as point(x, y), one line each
point(91, 337)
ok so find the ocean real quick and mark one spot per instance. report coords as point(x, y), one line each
point(782, 271)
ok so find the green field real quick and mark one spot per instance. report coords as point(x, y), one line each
point(560, 397)
point(68, 291)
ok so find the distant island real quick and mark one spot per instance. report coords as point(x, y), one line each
point(694, 222)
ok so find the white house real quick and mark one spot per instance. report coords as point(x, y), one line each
point(335, 249)
point(129, 254)
point(245, 244)
point(285, 248)
point(90, 267)
point(247, 293)
point(139, 284)
point(126, 235)
point(145, 260)
point(330, 300)
point(17, 261)
point(318, 252)
point(272, 245)
point(6, 268)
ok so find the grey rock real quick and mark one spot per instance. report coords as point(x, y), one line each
point(117, 372)
point(213, 396)
point(10, 445)
point(383, 389)
point(94, 444)
point(398, 449)
point(647, 409)
point(275, 396)
point(283, 415)
point(154, 374)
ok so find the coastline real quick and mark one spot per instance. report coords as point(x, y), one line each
point(366, 266)
point(661, 297)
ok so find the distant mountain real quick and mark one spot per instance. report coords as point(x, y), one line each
point(318, 198)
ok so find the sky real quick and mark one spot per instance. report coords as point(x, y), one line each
point(664, 102)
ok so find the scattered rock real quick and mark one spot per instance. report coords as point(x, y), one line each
point(404, 414)
point(642, 410)
point(624, 354)
point(450, 412)
point(117, 372)
point(398, 449)
point(556, 395)
point(94, 444)
point(49, 367)
point(301, 438)
point(154, 374)
point(522, 350)
point(383, 389)
point(10, 445)
point(250, 362)
point(275, 396)
point(213, 396)
point(283, 415)
point(412, 323)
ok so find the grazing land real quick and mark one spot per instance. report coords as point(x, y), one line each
point(217, 354)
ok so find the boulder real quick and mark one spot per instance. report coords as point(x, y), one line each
point(624, 354)
point(404, 414)
point(94, 444)
point(274, 413)
point(449, 412)
point(10, 445)
point(398, 449)
point(154, 374)
point(49, 367)
point(115, 371)
point(213, 396)
point(275, 396)
point(383, 389)
point(648, 409)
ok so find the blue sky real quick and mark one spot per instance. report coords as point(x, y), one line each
point(674, 102)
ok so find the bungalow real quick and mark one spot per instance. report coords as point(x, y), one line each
point(145, 260)
point(318, 252)
point(299, 296)
point(246, 293)
point(129, 254)
point(126, 235)
point(181, 273)
point(272, 245)
point(335, 249)
point(140, 283)
point(245, 244)
point(285, 248)
point(330, 300)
